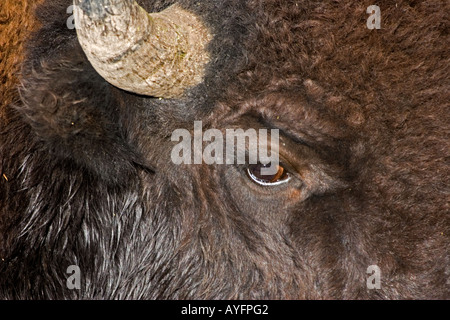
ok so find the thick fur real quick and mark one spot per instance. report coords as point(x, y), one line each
point(87, 178)
point(16, 23)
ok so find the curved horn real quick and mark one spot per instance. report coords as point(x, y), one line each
point(158, 54)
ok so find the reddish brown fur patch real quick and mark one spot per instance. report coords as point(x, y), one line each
point(16, 23)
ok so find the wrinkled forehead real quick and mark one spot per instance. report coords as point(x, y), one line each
point(296, 69)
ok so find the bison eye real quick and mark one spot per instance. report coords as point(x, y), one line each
point(254, 172)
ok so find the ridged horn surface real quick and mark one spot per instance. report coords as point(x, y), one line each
point(154, 54)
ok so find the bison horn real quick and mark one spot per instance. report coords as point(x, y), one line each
point(154, 54)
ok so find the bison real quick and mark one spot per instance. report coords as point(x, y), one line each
point(358, 207)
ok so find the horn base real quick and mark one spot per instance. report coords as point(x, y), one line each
point(159, 54)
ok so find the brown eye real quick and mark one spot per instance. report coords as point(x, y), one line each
point(256, 173)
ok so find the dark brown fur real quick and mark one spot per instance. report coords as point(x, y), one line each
point(364, 116)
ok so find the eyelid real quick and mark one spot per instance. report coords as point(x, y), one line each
point(283, 155)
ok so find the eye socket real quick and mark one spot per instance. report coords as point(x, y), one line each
point(254, 171)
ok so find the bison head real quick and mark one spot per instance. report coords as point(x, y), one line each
point(362, 178)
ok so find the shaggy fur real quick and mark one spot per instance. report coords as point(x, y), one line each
point(363, 115)
point(16, 22)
